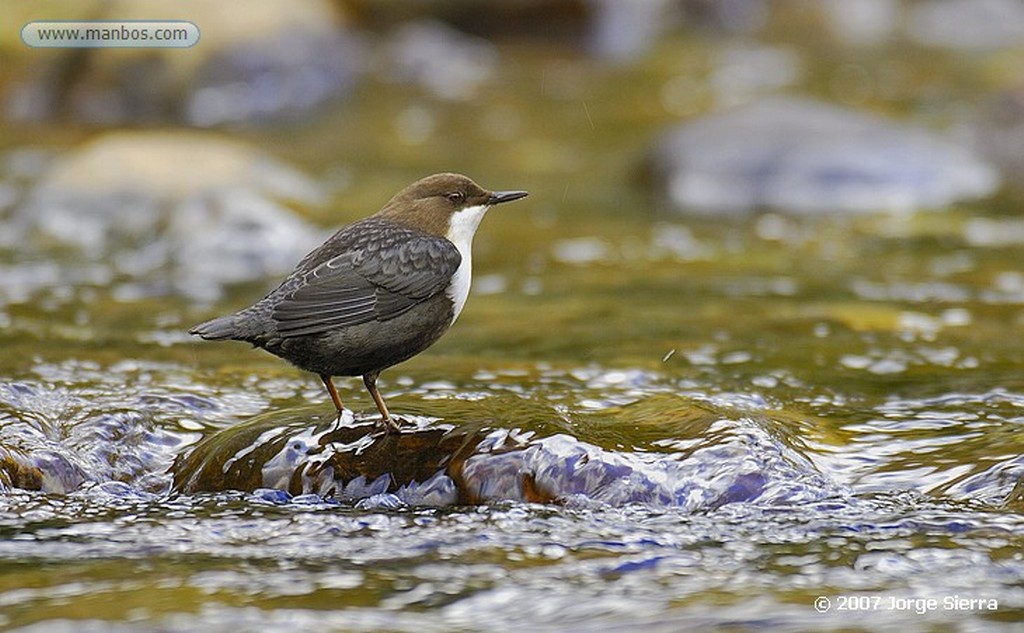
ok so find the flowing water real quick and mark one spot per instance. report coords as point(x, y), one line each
point(663, 423)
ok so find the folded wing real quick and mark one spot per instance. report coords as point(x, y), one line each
point(374, 279)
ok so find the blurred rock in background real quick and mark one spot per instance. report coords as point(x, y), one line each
point(170, 211)
point(1000, 134)
point(966, 24)
point(447, 63)
point(804, 156)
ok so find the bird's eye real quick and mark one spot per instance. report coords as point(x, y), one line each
point(455, 197)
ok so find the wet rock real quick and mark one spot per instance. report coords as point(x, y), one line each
point(33, 433)
point(18, 473)
point(434, 463)
point(118, 427)
point(180, 212)
point(354, 460)
point(279, 61)
point(803, 156)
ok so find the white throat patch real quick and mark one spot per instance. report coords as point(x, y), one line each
point(461, 229)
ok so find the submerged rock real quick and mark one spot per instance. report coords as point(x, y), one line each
point(58, 438)
point(180, 212)
point(278, 61)
point(434, 463)
point(802, 156)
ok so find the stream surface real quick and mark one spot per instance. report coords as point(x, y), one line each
point(767, 421)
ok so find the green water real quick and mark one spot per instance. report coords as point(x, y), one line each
point(884, 349)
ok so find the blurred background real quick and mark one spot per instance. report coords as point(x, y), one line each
point(133, 173)
point(786, 231)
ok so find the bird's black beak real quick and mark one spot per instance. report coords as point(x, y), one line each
point(498, 197)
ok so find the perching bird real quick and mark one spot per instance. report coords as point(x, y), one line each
point(377, 292)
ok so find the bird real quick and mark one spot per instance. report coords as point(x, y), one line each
point(377, 292)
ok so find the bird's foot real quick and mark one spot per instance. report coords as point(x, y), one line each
point(345, 418)
point(390, 425)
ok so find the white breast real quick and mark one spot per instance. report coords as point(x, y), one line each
point(460, 232)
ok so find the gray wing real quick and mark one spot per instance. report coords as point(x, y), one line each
point(375, 279)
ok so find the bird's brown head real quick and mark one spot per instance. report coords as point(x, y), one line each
point(443, 203)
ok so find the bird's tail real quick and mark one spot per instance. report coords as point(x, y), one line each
point(218, 329)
